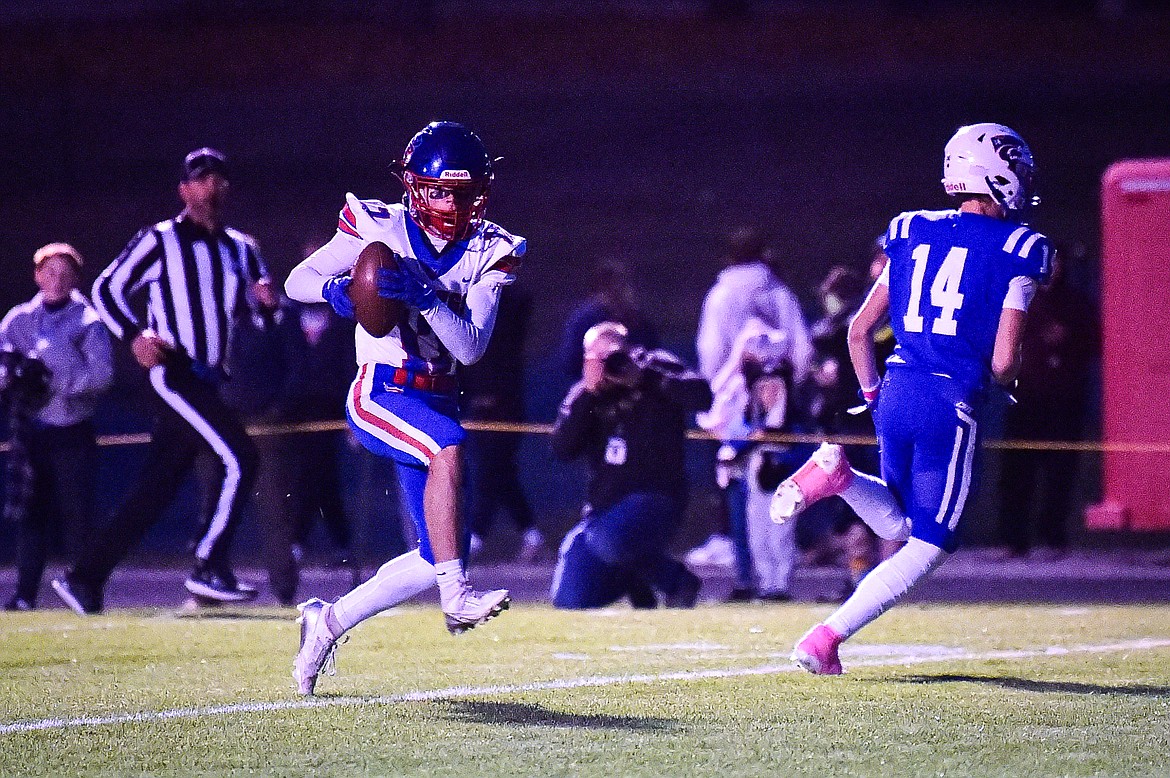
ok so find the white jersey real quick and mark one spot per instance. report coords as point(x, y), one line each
point(466, 275)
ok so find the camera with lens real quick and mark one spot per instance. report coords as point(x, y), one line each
point(23, 379)
point(623, 367)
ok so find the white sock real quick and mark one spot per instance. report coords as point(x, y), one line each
point(870, 499)
point(451, 578)
point(885, 585)
point(399, 579)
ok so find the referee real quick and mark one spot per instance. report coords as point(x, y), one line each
point(200, 275)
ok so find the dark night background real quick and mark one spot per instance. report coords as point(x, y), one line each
point(641, 131)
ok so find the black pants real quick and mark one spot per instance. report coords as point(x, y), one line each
point(620, 551)
point(1038, 486)
point(495, 481)
point(1037, 489)
point(316, 494)
point(63, 461)
point(298, 482)
point(193, 419)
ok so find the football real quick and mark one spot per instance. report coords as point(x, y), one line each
point(377, 315)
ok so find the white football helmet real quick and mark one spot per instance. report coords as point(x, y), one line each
point(990, 159)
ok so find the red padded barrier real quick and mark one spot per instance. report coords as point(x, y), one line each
point(1135, 296)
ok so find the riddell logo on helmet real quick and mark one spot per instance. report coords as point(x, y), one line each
point(455, 175)
point(956, 186)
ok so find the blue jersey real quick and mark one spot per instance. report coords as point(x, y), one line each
point(949, 273)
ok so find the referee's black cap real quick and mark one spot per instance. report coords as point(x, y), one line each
point(202, 161)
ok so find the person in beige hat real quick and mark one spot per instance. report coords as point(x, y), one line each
point(55, 364)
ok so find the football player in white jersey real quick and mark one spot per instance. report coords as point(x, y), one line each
point(452, 264)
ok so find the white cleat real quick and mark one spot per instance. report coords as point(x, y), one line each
point(825, 474)
point(532, 547)
point(318, 647)
point(472, 608)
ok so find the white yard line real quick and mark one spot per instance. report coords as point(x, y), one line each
point(463, 692)
point(657, 647)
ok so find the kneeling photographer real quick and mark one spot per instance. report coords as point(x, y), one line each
point(627, 418)
point(54, 364)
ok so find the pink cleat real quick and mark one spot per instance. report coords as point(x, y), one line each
point(817, 651)
point(825, 474)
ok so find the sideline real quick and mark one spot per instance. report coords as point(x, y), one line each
point(264, 430)
point(462, 692)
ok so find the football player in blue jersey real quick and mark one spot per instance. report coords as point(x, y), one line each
point(956, 290)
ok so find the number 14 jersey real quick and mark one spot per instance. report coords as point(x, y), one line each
point(949, 277)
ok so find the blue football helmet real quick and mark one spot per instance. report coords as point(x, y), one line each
point(994, 160)
point(447, 173)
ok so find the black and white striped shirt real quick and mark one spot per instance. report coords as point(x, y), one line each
point(197, 282)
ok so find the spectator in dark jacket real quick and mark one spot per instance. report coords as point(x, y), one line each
point(612, 299)
point(1060, 344)
point(627, 419)
point(493, 390)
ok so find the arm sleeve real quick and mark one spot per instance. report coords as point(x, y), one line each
point(467, 336)
point(96, 374)
point(1021, 290)
point(305, 282)
point(138, 265)
point(574, 424)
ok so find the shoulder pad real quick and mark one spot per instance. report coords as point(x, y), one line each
point(509, 264)
point(347, 220)
point(1031, 251)
point(899, 228)
point(493, 232)
point(376, 208)
point(346, 223)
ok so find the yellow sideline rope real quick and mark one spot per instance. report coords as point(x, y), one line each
point(265, 430)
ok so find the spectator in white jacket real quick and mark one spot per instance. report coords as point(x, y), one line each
point(54, 366)
point(747, 287)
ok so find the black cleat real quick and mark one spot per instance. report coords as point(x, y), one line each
point(686, 591)
point(742, 594)
point(84, 599)
point(220, 586)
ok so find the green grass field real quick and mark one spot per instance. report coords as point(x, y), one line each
point(1019, 691)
